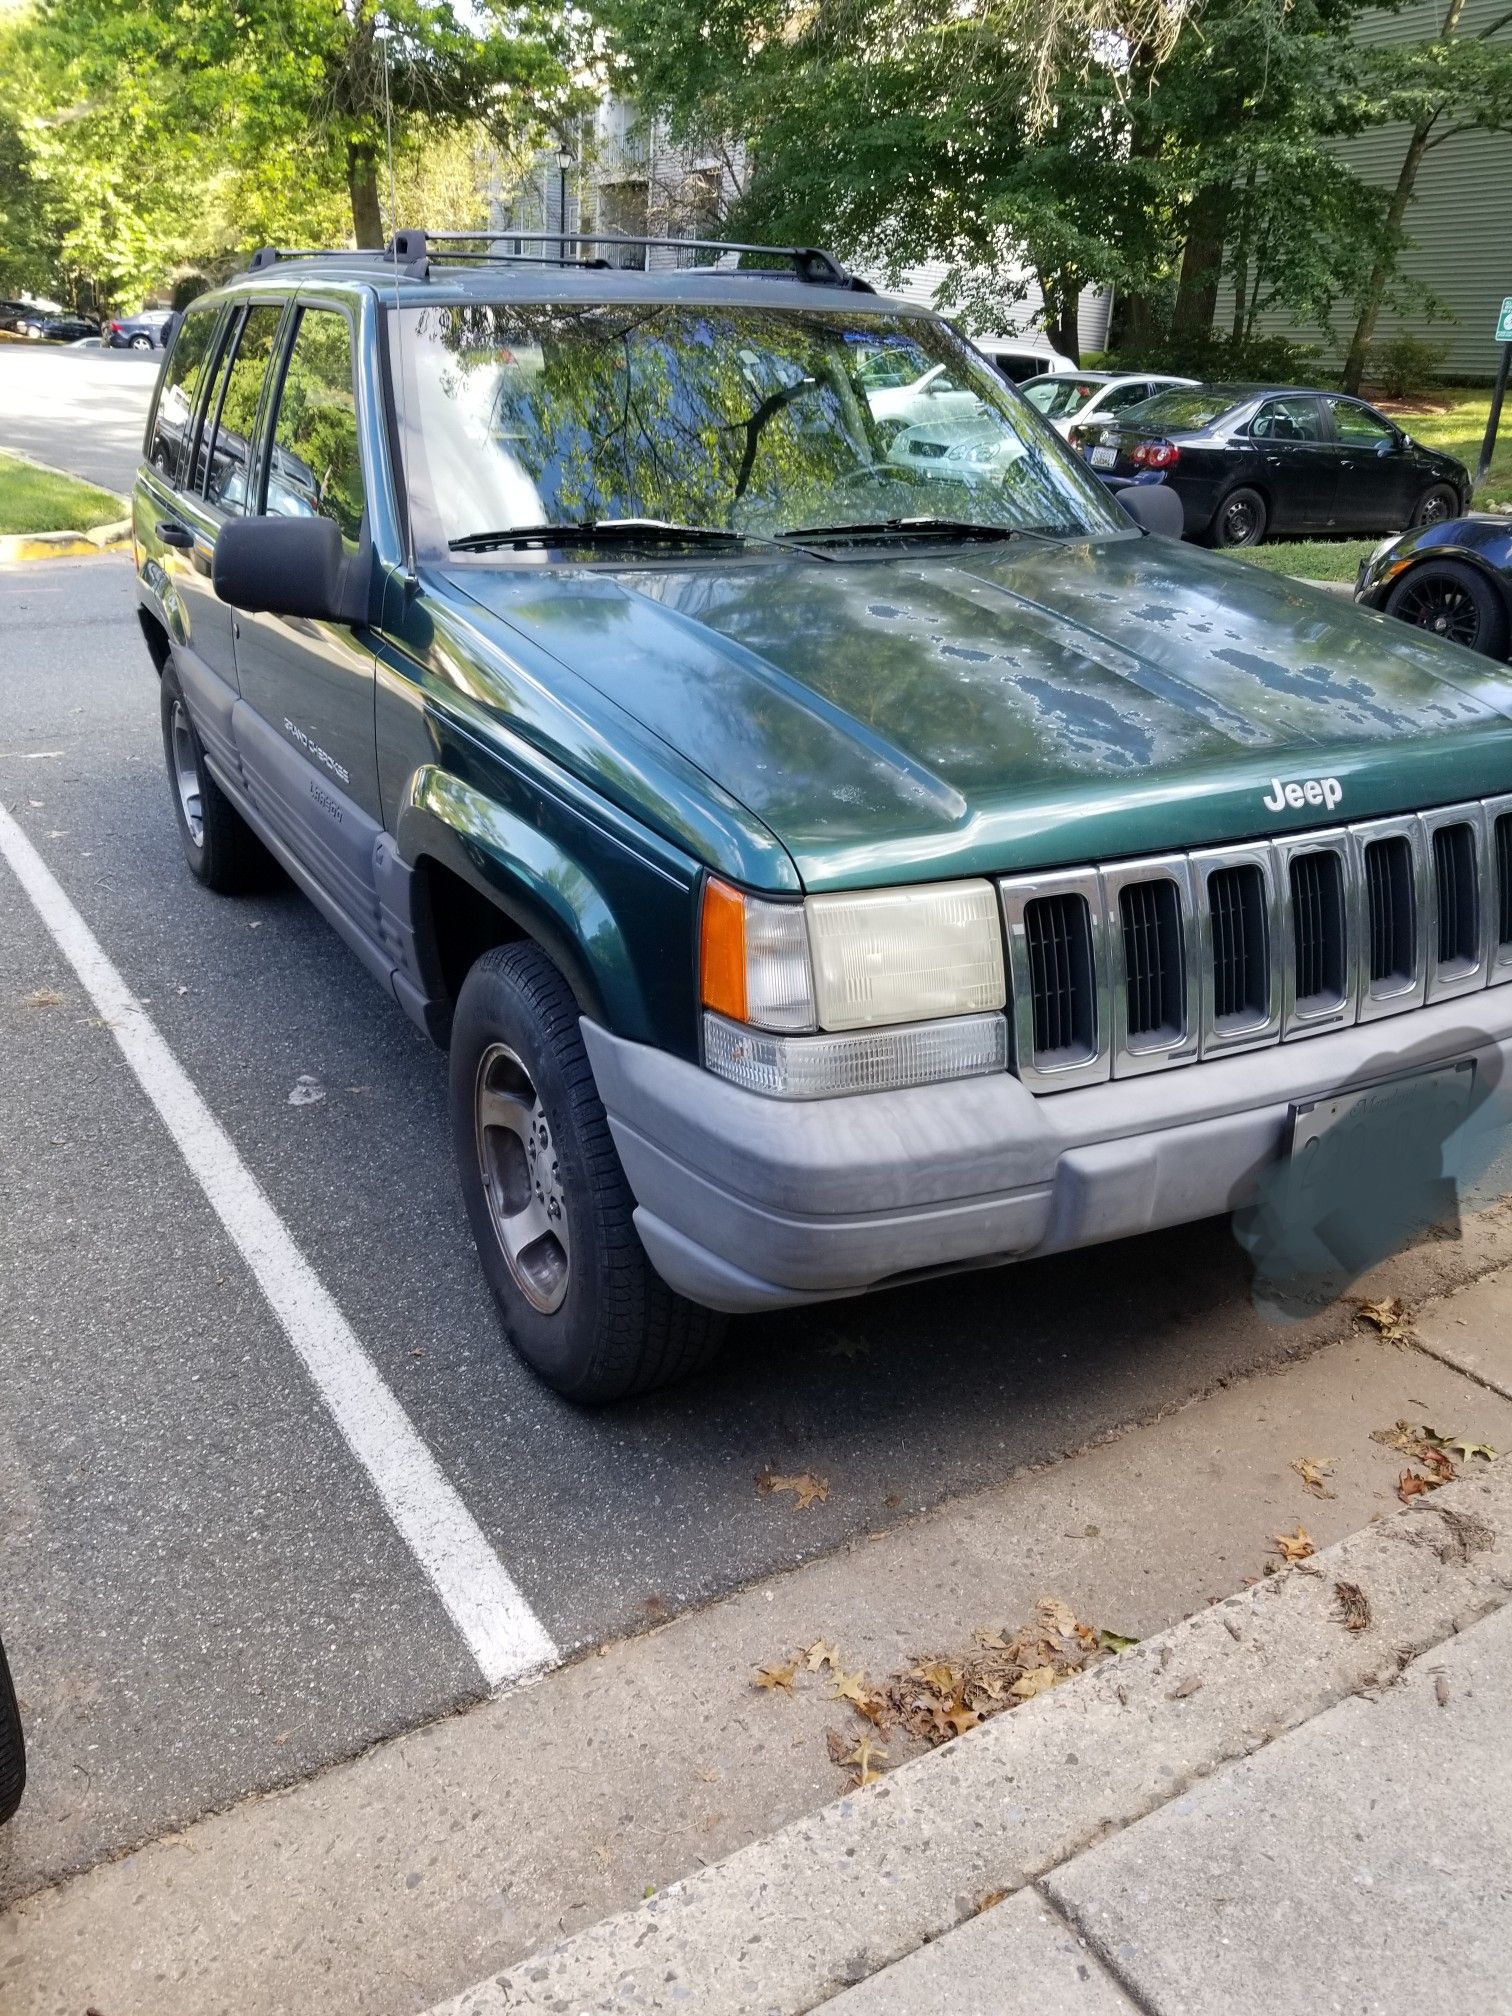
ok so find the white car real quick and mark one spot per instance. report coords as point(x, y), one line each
point(1068, 398)
point(1021, 359)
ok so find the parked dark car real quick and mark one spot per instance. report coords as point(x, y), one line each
point(148, 331)
point(12, 1746)
point(14, 313)
point(58, 328)
point(1453, 578)
point(1249, 460)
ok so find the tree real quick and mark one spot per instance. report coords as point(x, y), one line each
point(167, 133)
point(1445, 87)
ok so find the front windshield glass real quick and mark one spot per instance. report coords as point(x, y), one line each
point(1059, 398)
point(1189, 406)
point(748, 420)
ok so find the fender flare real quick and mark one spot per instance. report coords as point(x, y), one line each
point(546, 894)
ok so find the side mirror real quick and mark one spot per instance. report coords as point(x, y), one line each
point(1154, 508)
point(293, 567)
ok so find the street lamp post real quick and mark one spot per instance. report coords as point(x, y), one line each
point(564, 162)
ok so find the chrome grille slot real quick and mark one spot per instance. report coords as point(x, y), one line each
point(1319, 939)
point(1241, 960)
point(1154, 966)
point(1059, 937)
point(1458, 896)
point(1391, 911)
point(1502, 833)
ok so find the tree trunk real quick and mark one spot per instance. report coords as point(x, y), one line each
point(1242, 257)
point(362, 186)
point(1386, 259)
point(1062, 313)
point(1201, 260)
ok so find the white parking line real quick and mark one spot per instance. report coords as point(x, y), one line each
point(502, 1632)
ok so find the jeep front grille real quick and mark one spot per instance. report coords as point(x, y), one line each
point(1141, 965)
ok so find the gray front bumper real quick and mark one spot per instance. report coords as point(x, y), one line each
point(748, 1203)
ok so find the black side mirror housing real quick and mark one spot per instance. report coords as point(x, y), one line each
point(293, 567)
point(1154, 508)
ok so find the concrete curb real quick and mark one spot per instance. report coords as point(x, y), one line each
point(18, 547)
point(789, 1922)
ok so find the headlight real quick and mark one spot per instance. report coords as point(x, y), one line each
point(1385, 546)
point(896, 963)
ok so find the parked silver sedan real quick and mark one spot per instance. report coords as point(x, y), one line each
point(1069, 398)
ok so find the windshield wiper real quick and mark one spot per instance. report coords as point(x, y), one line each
point(903, 528)
point(603, 532)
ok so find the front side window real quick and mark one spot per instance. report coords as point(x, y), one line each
point(1357, 427)
point(754, 421)
point(168, 449)
point(315, 468)
point(231, 421)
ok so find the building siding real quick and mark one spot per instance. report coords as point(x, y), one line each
point(1459, 223)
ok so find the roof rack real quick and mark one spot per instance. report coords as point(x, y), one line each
point(416, 251)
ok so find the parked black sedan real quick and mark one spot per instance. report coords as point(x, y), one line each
point(12, 1746)
point(58, 328)
point(1248, 460)
point(1454, 578)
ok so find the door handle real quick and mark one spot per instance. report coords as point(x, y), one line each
point(172, 533)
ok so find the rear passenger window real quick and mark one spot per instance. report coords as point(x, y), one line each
point(231, 422)
point(316, 464)
point(168, 448)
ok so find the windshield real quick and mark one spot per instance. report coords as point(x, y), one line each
point(1059, 398)
point(753, 421)
point(1188, 407)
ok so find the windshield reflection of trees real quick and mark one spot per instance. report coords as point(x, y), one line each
point(749, 420)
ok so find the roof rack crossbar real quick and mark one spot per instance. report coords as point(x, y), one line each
point(811, 262)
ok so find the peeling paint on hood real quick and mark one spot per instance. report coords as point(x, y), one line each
point(1025, 705)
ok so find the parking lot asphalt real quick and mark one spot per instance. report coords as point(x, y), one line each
point(203, 1593)
point(82, 409)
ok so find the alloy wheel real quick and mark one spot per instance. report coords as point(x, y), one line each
point(1438, 603)
point(522, 1178)
point(186, 775)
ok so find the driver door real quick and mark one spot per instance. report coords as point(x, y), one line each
point(305, 725)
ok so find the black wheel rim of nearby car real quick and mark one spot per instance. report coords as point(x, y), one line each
point(1241, 521)
point(1439, 603)
point(522, 1178)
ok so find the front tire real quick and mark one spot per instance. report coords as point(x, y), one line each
point(547, 1199)
point(12, 1746)
point(1240, 520)
point(1438, 503)
point(221, 849)
point(1451, 600)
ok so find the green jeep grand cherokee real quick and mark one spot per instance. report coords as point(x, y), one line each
point(836, 843)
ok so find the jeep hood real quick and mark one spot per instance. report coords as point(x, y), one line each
point(1018, 706)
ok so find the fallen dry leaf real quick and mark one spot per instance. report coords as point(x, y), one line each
point(1114, 1641)
point(806, 1488)
point(1312, 1470)
point(1039, 1680)
point(837, 1745)
point(775, 1676)
point(1391, 1318)
point(936, 1674)
point(44, 997)
point(820, 1654)
point(862, 1757)
point(1411, 1484)
point(1354, 1606)
point(1295, 1546)
point(988, 1899)
point(1458, 1445)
